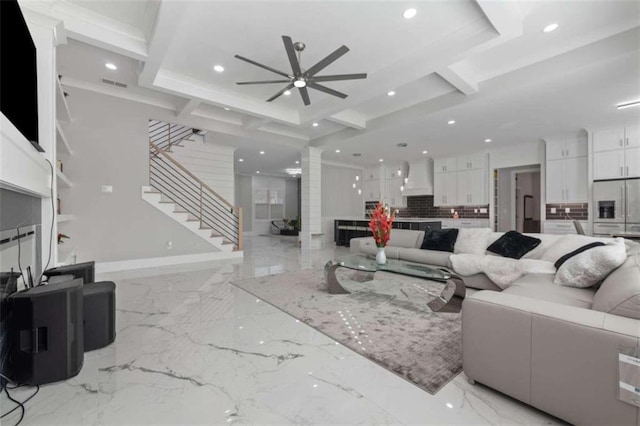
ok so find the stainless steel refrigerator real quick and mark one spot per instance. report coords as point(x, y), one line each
point(616, 206)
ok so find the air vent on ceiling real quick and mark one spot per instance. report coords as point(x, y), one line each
point(114, 83)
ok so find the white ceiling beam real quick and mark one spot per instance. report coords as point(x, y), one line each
point(188, 108)
point(349, 118)
point(464, 83)
point(94, 28)
point(503, 16)
point(166, 25)
point(250, 122)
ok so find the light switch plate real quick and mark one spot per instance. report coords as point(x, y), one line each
point(107, 188)
point(553, 209)
point(567, 210)
point(475, 210)
point(483, 210)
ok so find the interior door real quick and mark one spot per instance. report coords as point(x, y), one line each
point(633, 201)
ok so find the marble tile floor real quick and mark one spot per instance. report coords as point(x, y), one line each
point(192, 348)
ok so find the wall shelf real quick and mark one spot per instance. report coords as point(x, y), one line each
point(63, 181)
point(62, 144)
point(64, 218)
point(62, 107)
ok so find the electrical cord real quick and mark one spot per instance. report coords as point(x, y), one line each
point(38, 281)
point(19, 405)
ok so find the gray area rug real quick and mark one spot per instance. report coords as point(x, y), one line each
point(386, 320)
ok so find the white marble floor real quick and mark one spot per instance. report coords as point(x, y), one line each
point(193, 349)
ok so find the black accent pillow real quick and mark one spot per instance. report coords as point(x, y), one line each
point(514, 245)
point(584, 248)
point(440, 240)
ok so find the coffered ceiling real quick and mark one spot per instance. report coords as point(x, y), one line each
point(487, 65)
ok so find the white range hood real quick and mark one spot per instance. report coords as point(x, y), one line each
point(420, 179)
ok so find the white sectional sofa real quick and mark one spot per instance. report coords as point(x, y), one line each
point(551, 346)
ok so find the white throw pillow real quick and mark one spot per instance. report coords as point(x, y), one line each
point(567, 244)
point(472, 240)
point(592, 266)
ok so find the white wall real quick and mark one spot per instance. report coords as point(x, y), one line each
point(244, 199)
point(339, 198)
point(211, 163)
point(109, 137)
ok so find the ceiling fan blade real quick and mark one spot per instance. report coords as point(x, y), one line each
point(325, 89)
point(266, 67)
point(339, 77)
point(263, 82)
point(327, 61)
point(291, 53)
point(304, 94)
point(277, 95)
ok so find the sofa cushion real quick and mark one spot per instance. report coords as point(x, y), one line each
point(514, 245)
point(427, 257)
point(577, 251)
point(619, 293)
point(440, 240)
point(472, 240)
point(546, 241)
point(541, 287)
point(592, 266)
point(405, 238)
point(566, 244)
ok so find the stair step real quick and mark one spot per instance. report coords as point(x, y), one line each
point(180, 211)
point(166, 202)
point(206, 228)
point(226, 242)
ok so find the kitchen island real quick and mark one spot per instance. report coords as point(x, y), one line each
point(346, 229)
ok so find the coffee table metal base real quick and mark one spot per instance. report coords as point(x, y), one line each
point(454, 286)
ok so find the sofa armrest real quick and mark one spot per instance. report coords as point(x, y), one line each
point(560, 359)
point(355, 244)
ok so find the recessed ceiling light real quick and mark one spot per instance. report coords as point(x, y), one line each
point(381, 160)
point(425, 151)
point(261, 152)
point(409, 13)
point(297, 162)
point(487, 140)
point(354, 186)
point(628, 104)
point(300, 82)
point(357, 177)
point(287, 92)
point(550, 27)
point(240, 160)
point(359, 193)
point(111, 66)
point(337, 151)
point(391, 93)
point(218, 68)
point(258, 171)
point(451, 122)
point(315, 124)
point(226, 109)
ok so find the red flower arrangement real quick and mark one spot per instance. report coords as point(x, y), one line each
point(380, 224)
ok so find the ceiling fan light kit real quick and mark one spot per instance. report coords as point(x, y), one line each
point(300, 78)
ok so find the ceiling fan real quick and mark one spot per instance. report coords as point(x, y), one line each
point(299, 77)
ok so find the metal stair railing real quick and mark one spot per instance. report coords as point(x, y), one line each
point(165, 135)
point(191, 194)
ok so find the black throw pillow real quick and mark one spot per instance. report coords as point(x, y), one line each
point(584, 248)
point(514, 245)
point(440, 240)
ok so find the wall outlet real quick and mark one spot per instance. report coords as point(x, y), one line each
point(475, 210)
point(453, 211)
point(107, 188)
point(567, 210)
point(169, 245)
point(483, 210)
point(553, 210)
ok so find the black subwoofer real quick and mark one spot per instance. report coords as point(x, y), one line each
point(99, 314)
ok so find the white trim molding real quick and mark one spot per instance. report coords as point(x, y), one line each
point(155, 262)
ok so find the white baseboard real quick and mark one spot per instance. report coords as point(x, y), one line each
point(124, 265)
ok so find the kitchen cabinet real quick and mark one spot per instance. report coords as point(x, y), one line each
point(556, 150)
point(371, 189)
point(464, 223)
point(444, 165)
point(616, 153)
point(393, 192)
point(562, 227)
point(469, 162)
point(471, 187)
point(445, 189)
point(567, 180)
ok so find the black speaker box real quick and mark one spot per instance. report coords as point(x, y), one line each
point(45, 339)
point(99, 315)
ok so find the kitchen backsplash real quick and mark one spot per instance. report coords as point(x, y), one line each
point(578, 211)
point(422, 206)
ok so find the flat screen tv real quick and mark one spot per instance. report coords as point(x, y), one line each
point(18, 72)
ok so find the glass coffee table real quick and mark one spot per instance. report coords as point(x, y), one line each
point(453, 284)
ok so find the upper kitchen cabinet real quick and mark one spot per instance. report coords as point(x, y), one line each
point(471, 162)
point(567, 165)
point(465, 186)
point(445, 165)
point(616, 153)
point(571, 148)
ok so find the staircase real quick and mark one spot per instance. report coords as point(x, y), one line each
point(185, 198)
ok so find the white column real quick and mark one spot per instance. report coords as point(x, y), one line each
point(310, 237)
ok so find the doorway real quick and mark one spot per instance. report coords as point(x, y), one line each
point(518, 199)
